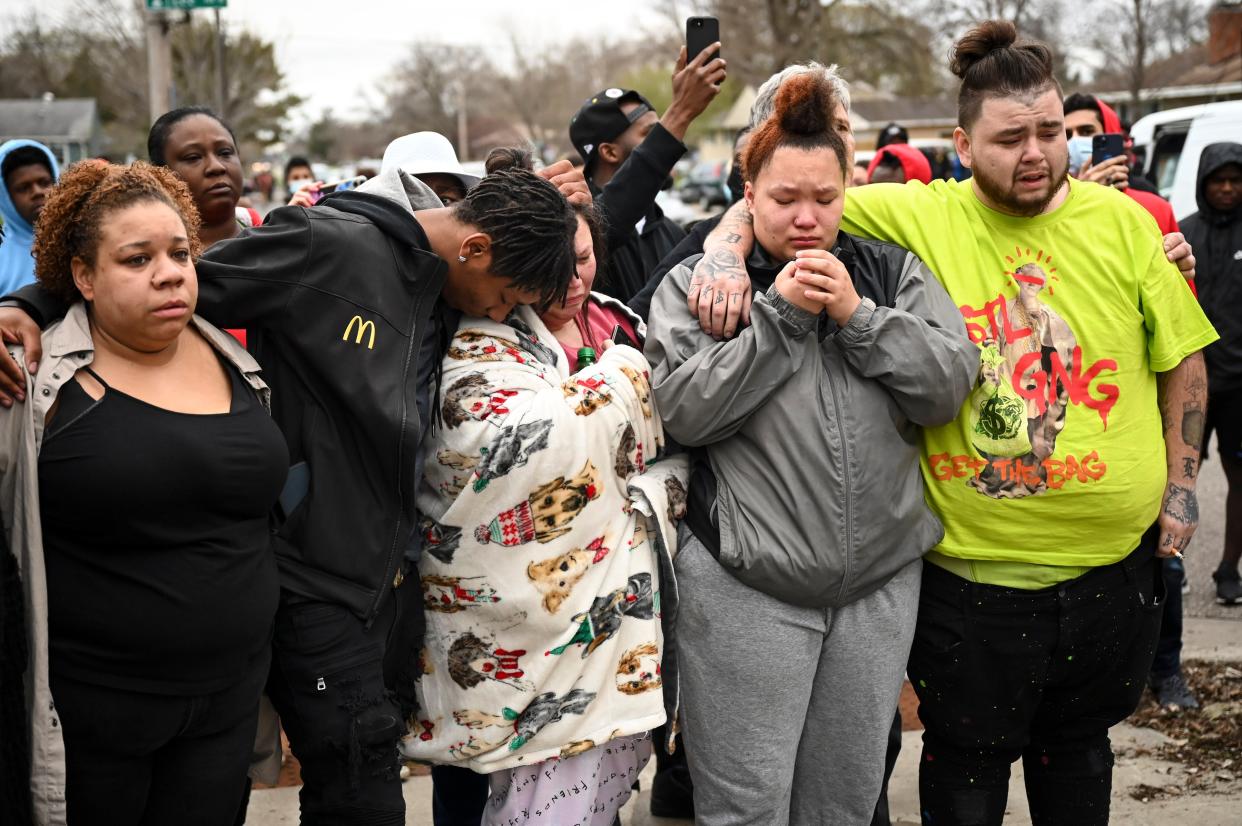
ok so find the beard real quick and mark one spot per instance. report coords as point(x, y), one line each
point(1003, 193)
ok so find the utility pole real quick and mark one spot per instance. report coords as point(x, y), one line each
point(221, 87)
point(463, 142)
point(159, 61)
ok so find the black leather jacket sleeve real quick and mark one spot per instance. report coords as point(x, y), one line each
point(247, 281)
point(626, 198)
point(39, 304)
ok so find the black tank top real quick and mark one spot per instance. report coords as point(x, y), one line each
point(160, 576)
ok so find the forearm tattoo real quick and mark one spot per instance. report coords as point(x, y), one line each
point(1192, 425)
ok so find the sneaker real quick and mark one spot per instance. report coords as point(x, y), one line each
point(1173, 694)
point(1228, 588)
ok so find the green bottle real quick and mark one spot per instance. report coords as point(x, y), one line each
point(586, 357)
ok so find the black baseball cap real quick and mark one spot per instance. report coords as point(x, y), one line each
point(601, 119)
point(892, 133)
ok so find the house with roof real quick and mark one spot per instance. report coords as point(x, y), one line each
point(870, 111)
point(1206, 73)
point(69, 127)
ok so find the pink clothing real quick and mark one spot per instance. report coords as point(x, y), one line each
point(597, 328)
point(586, 789)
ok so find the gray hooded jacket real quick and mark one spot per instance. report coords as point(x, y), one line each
point(813, 431)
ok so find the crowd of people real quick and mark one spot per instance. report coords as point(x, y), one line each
point(514, 476)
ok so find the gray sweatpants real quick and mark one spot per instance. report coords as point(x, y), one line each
point(787, 708)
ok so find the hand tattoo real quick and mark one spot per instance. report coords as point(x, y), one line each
point(720, 261)
point(733, 238)
point(720, 297)
point(1190, 467)
point(1182, 505)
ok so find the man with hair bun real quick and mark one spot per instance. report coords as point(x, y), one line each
point(1072, 467)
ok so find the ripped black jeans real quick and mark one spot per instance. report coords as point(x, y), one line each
point(339, 708)
point(1003, 674)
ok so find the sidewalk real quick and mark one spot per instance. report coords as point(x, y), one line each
point(1204, 639)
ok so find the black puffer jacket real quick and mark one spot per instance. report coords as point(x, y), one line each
point(1217, 240)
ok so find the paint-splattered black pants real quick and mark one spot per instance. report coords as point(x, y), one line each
point(342, 708)
point(1003, 673)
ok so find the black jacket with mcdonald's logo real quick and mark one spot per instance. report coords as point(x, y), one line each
point(341, 306)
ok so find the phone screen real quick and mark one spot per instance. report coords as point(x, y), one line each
point(619, 336)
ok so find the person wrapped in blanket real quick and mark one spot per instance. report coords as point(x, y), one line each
point(548, 537)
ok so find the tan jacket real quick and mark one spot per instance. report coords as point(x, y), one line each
point(67, 348)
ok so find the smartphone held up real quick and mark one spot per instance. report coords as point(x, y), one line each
point(702, 33)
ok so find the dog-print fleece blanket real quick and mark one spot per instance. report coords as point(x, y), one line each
point(544, 511)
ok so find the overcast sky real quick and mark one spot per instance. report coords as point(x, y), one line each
point(335, 51)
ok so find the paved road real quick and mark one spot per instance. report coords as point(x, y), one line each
point(279, 806)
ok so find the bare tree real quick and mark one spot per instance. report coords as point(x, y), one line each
point(99, 52)
point(1147, 32)
point(877, 42)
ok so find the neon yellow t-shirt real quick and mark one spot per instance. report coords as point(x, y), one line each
point(1058, 456)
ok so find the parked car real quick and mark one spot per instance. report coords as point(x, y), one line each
point(706, 185)
point(1167, 146)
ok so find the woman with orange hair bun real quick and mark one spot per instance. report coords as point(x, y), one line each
point(136, 485)
point(800, 583)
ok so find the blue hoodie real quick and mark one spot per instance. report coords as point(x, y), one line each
point(16, 265)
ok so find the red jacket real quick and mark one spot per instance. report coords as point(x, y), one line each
point(913, 162)
point(1159, 208)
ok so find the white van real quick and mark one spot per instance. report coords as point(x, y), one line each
point(1168, 145)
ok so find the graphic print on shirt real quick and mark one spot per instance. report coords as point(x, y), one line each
point(543, 711)
point(555, 578)
point(472, 662)
point(590, 394)
point(595, 627)
point(473, 345)
point(1033, 370)
point(546, 513)
point(629, 454)
point(470, 398)
point(639, 669)
point(440, 541)
point(512, 448)
point(642, 387)
point(451, 594)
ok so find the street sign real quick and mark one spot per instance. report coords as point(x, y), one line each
point(185, 5)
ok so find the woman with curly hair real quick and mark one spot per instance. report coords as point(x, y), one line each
point(138, 481)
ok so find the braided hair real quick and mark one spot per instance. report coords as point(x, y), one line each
point(531, 226)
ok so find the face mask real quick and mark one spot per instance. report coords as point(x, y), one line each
point(299, 185)
point(737, 187)
point(1079, 152)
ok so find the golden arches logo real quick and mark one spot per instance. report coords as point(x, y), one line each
point(364, 328)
